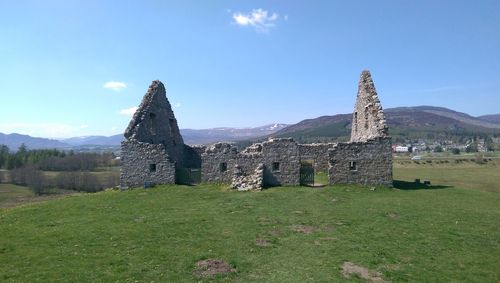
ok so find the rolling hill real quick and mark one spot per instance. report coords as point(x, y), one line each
point(420, 122)
point(191, 136)
point(491, 118)
point(13, 141)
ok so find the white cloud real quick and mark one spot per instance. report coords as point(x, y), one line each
point(84, 126)
point(116, 86)
point(262, 20)
point(129, 111)
point(177, 105)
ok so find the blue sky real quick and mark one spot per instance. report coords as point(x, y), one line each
point(73, 68)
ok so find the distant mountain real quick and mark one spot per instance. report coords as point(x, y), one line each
point(420, 122)
point(324, 128)
point(444, 112)
point(96, 143)
point(491, 118)
point(190, 136)
point(14, 141)
point(205, 136)
point(94, 140)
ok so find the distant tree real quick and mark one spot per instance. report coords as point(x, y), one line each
point(488, 143)
point(438, 149)
point(4, 155)
point(35, 180)
point(455, 150)
point(471, 148)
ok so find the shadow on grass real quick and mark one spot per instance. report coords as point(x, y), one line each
point(405, 185)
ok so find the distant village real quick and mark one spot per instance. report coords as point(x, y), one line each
point(470, 146)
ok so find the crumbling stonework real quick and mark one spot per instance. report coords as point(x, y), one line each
point(368, 119)
point(367, 163)
point(153, 146)
point(217, 162)
point(154, 122)
point(280, 159)
point(154, 150)
point(145, 163)
point(248, 182)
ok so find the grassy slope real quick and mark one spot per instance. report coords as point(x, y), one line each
point(159, 234)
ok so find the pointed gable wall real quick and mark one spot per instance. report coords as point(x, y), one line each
point(154, 123)
point(368, 121)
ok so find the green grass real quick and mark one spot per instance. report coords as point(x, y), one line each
point(14, 195)
point(458, 172)
point(11, 195)
point(321, 178)
point(426, 235)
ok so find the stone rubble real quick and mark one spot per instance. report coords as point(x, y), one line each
point(251, 182)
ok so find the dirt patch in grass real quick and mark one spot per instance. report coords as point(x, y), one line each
point(275, 233)
point(349, 268)
point(22, 200)
point(304, 229)
point(261, 242)
point(211, 267)
point(319, 242)
point(392, 215)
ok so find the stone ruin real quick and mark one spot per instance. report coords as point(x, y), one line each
point(154, 151)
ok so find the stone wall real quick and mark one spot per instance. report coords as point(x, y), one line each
point(218, 162)
point(280, 159)
point(367, 163)
point(286, 155)
point(192, 156)
point(317, 153)
point(145, 163)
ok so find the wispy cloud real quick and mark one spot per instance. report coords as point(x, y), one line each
point(177, 105)
point(114, 85)
point(260, 19)
point(129, 111)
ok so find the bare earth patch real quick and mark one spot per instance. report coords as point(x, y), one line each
point(275, 233)
point(210, 267)
point(392, 215)
point(18, 201)
point(262, 242)
point(303, 229)
point(349, 268)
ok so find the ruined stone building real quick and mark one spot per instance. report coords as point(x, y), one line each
point(154, 151)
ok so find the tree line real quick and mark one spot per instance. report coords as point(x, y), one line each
point(54, 160)
point(73, 169)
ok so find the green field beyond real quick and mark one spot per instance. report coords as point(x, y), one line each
point(284, 234)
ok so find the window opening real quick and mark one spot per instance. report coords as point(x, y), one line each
point(223, 167)
point(276, 166)
point(152, 123)
point(353, 166)
point(152, 167)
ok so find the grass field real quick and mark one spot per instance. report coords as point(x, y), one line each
point(440, 233)
point(456, 172)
